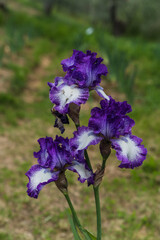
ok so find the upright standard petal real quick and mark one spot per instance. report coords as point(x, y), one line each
point(38, 178)
point(111, 119)
point(60, 154)
point(44, 158)
point(129, 151)
point(83, 137)
point(64, 94)
point(86, 70)
point(69, 63)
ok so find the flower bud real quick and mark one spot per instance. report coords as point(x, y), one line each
point(105, 148)
point(98, 175)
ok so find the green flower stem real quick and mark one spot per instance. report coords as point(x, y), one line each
point(75, 218)
point(96, 195)
point(87, 159)
point(104, 163)
point(97, 200)
point(98, 212)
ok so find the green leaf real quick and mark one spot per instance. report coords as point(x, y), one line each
point(88, 235)
point(73, 227)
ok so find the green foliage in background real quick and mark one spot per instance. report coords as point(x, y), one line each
point(132, 202)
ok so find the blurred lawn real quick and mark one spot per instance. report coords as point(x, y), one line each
point(31, 49)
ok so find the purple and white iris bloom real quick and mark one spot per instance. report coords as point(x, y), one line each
point(110, 122)
point(84, 70)
point(83, 73)
point(54, 158)
point(61, 94)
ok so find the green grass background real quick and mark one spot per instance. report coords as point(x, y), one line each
point(31, 49)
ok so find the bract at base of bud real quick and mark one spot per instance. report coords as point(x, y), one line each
point(62, 183)
point(98, 175)
point(74, 111)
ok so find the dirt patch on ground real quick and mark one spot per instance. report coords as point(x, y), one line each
point(6, 159)
point(35, 80)
point(16, 6)
point(5, 79)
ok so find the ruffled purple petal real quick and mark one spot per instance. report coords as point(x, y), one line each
point(60, 153)
point(129, 151)
point(58, 81)
point(85, 70)
point(64, 142)
point(64, 94)
point(38, 178)
point(83, 137)
point(83, 171)
point(69, 63)
point(121, 108)
point(111, 119)
point(44, 158)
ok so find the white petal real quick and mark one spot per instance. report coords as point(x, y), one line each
point(101, 93)
point(129, 149)
point(41, 176)
point(85, 139)
point(82, 171)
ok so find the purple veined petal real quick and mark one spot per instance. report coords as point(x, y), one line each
point(129, 151)
point(101, 122)
point(64, 142)
point(101, 93)
point(60, 154)
point(38, 178)
point(44, 158)
point(88, 73)
point(125, 126)
point(83, 137)
point(115, 107)
point(64, 94)
point(58, 81)
point(84, 70)
point(69, 63)
point(111, 119)
point(98, 121)
point(83, 172)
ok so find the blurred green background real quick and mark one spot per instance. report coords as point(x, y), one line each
point(34, 37)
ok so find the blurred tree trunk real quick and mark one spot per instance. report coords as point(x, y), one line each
point(118, 27)
point(3, 6)
point(93, 11)
point(48, 6)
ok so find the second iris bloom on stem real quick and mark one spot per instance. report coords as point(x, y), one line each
point(111, 124)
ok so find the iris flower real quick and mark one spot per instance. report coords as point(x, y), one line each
point(55, 158)
point(83, 73)
point(110, 123)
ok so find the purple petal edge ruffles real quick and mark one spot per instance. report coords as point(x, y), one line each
point(129, 151)
point(63, 94)
point(38, 178)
